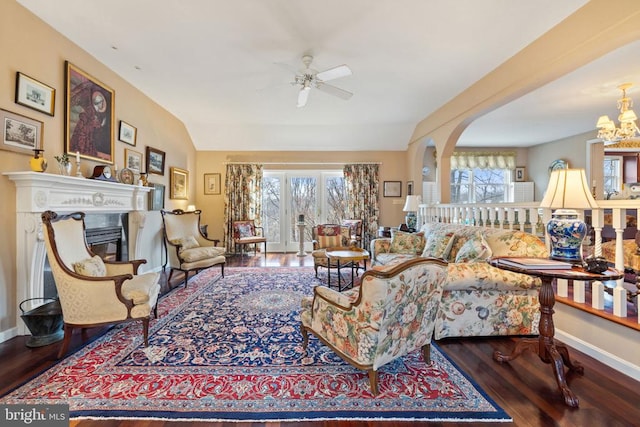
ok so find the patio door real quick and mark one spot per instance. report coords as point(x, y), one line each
point(318, 195)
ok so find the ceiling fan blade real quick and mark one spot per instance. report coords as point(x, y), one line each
point(334, 73)
point(303, 95)
point(335, 91)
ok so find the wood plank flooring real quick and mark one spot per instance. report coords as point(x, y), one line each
point(525, 388)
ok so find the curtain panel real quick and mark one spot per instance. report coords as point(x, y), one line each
point(242, 197)
point(362, 187)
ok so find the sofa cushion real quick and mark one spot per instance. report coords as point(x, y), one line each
point(473, 250)
point(515, 243)
point(91, 267)
point(406, 243)
point(438, 245)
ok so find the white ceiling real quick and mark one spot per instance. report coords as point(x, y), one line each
point(214, 64)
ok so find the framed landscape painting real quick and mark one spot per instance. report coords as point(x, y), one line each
point(88, 116)
point(155, 161)
point(133, 160)
point(20, 133)
point(127, 133)
point(179, 184)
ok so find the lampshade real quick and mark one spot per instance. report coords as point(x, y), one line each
point(568, 189)
point(411, 204)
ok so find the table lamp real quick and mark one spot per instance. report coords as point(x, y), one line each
point(568, 190)
point(411, 207)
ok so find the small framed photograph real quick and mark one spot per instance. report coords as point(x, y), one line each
point(520, 170)
point(20, 133)
point(392, 189)
point(155, 161)
point(179, 183)
point(212, 183)
point(409, 188)
point(34, 94)
point(127, 133)
point(133, 160)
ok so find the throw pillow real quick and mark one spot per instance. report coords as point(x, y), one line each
point(438, 245)
point(474, 249)
point(406, 243)
point(186, 242)
point(329, 241)
point(245, 230)
point(91, 267)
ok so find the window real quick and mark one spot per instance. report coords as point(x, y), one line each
point(612, 175)
point(480, 185)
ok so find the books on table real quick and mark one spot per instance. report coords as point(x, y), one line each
point(535, 263)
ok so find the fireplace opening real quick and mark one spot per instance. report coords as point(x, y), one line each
point(106, 236)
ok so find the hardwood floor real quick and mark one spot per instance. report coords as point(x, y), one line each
point(525, 388)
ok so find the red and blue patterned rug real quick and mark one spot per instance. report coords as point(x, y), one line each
point(230, 349)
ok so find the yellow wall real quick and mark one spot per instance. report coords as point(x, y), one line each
point(32, 47)
point(391, 169)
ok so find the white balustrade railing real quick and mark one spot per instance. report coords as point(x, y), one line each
point(531, 218)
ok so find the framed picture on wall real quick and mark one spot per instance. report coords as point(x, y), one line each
point(155, 161)
point(20, 133)
point(133, 160)
point(409, 188)
point(212, 184)
point(34, 94)
point(88, 116)
point(179, 184)
point(392, 189)
point(127, 133)
point(520, 170)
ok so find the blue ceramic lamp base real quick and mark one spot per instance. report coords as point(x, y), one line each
point(566, 232)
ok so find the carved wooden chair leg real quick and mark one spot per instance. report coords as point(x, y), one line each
point(373, 380)
point(305, 337)
point(426, 353)
point(145, 331)
point(68, 332)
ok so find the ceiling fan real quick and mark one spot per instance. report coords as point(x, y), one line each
point(308, 78)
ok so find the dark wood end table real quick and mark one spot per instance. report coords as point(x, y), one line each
point(545, 346)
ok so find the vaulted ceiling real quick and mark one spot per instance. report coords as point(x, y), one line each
point(225, 67)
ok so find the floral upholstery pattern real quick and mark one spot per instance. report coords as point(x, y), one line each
point(478, 299)
point(406, 243)
point(389, 315)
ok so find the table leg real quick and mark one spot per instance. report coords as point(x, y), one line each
point(339, 278)
point(545, 346)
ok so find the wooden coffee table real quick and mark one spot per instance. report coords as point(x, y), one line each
point(345, 257)
point(545, 346)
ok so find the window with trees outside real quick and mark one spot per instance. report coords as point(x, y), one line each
point(481, 185)
point(612, 175)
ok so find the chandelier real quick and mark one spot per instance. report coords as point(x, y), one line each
point(607, 130)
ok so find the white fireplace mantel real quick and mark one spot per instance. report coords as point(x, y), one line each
point(38, 192)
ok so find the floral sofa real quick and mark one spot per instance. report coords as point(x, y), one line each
point(478, 299)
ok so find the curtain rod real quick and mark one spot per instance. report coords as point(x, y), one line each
point(302, 163)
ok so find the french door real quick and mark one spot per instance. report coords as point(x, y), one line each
point(317, 195)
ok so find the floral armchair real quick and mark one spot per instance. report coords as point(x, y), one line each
point(391, 314)
point(94, 292)
point(328, 236)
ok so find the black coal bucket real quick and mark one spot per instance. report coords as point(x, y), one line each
point(44, 321)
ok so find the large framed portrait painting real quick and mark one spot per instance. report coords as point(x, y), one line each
point(88, 116)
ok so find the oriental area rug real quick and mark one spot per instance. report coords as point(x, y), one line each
point(230, 349)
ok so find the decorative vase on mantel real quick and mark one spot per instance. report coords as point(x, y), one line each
point(64, 164)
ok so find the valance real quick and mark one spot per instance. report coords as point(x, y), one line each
point(483, 160)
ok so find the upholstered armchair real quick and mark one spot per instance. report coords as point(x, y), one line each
point(355, 227)
point(391, 314)
point(328, 236)
point(187, 248)
point(246, 232)
point(93, 292)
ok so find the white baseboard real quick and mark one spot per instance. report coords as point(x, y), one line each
point(8, 334)
point(601, 355)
